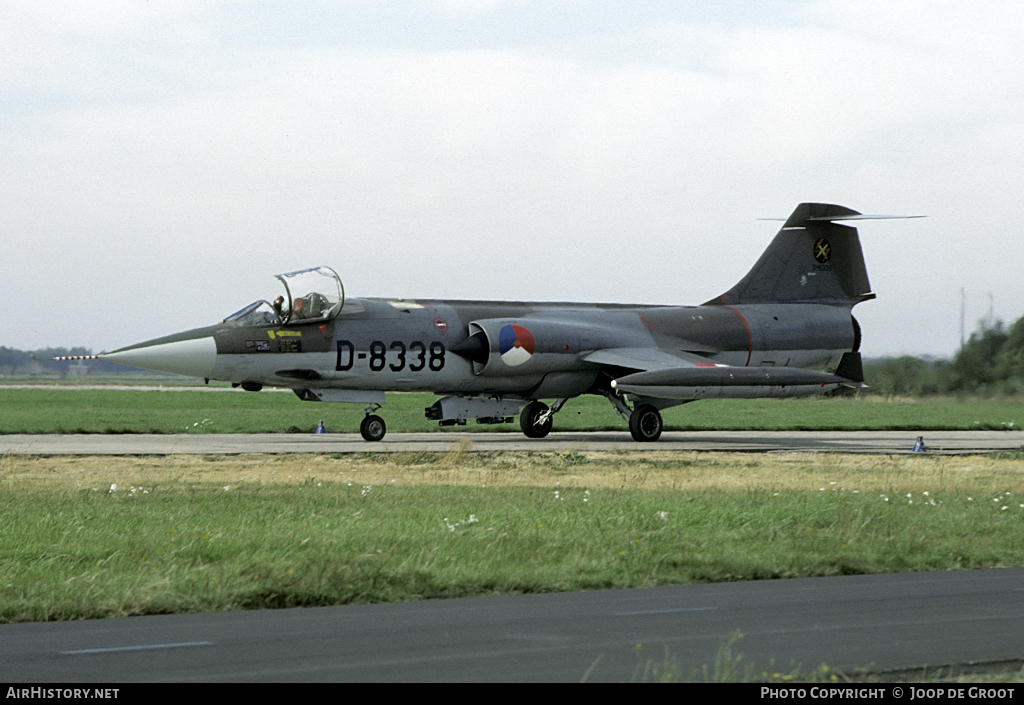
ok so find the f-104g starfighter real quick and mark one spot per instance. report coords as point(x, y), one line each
point(785, 330)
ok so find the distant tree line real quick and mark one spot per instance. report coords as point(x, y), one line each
point(990, 363)
point(36, 363)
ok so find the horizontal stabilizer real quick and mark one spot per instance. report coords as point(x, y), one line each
point(861, 216)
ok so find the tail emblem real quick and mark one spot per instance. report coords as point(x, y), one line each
point(822, 251)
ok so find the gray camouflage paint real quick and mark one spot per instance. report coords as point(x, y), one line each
point(791, 312)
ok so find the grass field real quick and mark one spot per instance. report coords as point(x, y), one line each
point(95, 537)
point(69, 410)
point(98, 537)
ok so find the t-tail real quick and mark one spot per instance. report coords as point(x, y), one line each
point(811, 260)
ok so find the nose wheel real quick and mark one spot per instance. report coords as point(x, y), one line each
point(372, 428)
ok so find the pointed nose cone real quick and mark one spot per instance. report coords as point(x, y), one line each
point(192, 357)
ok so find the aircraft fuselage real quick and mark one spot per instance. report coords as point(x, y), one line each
point(776, 333)
point(376, 344)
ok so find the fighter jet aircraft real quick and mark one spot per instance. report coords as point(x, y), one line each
point(785, 330)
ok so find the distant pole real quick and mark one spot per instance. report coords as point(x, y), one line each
point(991, 317)
point(963, 304)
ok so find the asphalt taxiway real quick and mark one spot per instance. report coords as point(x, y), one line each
point(876, 622)
point(882, 442)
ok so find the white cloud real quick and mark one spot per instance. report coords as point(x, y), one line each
point(474, 6)
point(169, 156)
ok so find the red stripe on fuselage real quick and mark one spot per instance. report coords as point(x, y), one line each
point(750, 338)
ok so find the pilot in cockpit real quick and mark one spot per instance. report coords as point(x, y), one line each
point(279, 308)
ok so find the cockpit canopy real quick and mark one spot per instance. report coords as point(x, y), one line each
point(310, 296)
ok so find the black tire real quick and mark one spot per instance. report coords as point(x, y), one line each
point(645, 424)
point(373, 428)
point(528, 420)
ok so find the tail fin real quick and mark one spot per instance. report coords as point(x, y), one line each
point(811, 260)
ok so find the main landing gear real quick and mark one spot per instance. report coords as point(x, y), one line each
point(645, 424)
point(535, 419)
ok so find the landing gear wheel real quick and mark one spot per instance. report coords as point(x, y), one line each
point(645, 423)
point(373, 428)
point(528, 420)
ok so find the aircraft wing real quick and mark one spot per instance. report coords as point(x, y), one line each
point(644, 359)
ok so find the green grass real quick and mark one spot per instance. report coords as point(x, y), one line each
point(181, 546)
point(131, 411)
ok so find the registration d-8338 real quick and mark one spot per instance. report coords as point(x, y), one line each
point(396, 356)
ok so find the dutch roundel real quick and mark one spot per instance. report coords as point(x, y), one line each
point(515, 344)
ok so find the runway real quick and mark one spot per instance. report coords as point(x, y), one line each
point(882, 442)
point(875, 622)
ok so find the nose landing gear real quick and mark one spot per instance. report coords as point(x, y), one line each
point(372, 426)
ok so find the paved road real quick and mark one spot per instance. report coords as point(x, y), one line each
point(940, 442)
point(880, 622)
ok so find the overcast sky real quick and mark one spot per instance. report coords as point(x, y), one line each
point(161, 161)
